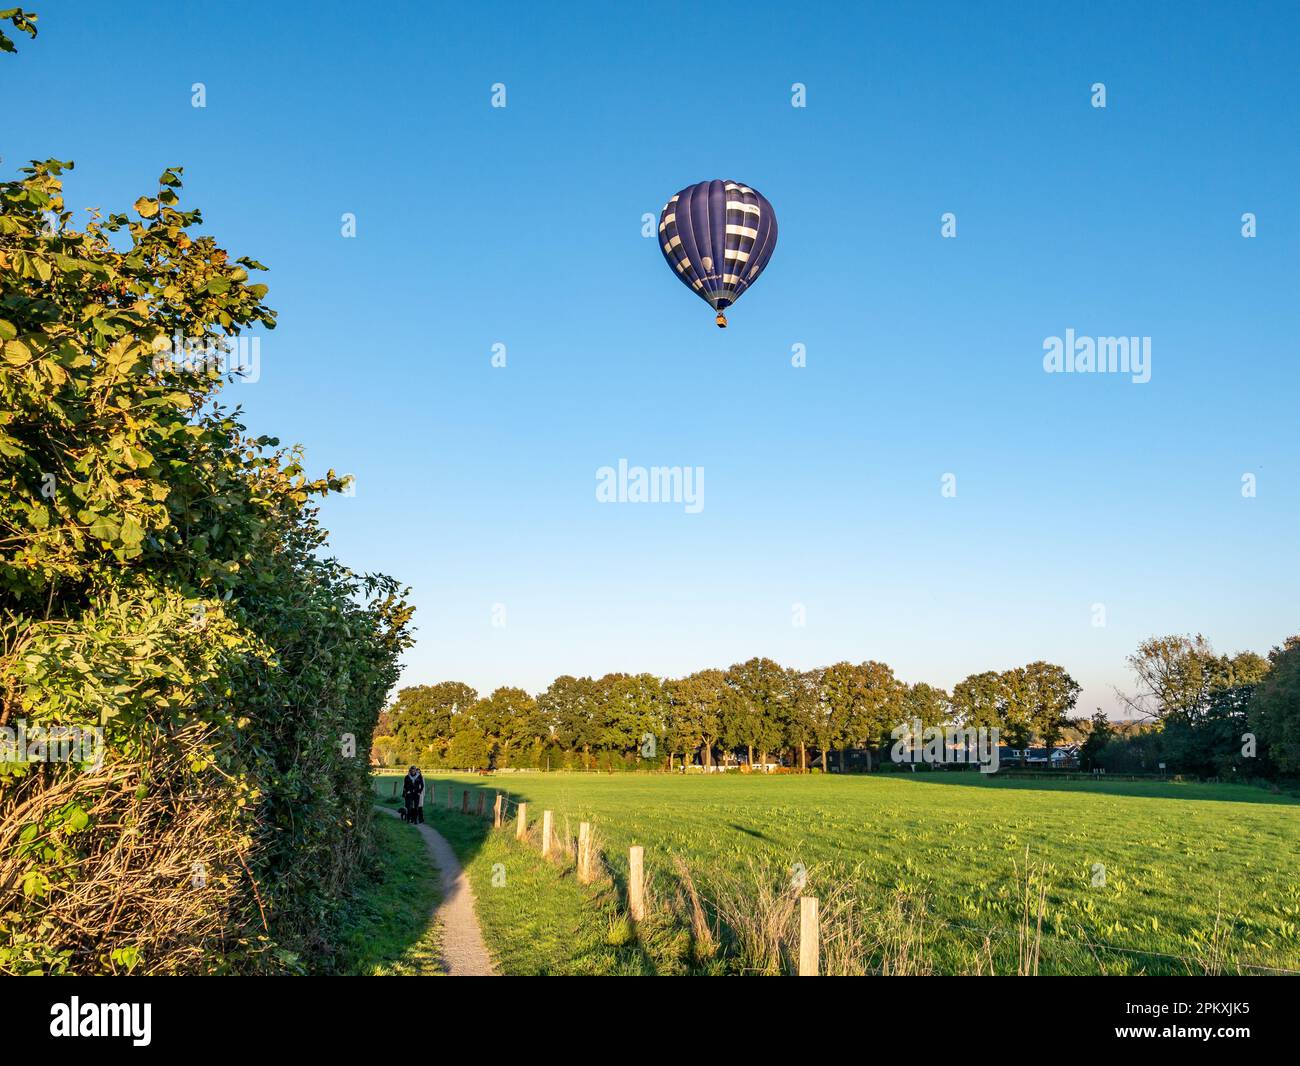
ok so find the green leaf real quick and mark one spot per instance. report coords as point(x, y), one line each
point(132, 533)
point(17, 352)
point(104, 528)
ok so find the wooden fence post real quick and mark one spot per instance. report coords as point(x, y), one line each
point(464, 802)
point(497, 812)
point(584, 852)
point(809, 936)
point(636, 882)
point(546, 834)
point(521, 822)
point(478, 809)
point(394, 786)
point(451, 794)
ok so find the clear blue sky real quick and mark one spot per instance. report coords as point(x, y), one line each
point(522, 226)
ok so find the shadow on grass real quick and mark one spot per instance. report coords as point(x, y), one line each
point(389, 932)
point(1222, 792)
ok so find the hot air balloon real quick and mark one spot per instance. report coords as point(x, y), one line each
point(718, 236)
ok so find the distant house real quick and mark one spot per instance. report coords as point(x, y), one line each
point(1062, 757)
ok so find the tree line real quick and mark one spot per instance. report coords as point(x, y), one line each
point(1198, 712)
point(1192, 710)
point(757, 708)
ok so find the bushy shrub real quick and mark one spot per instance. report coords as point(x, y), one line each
point(163, 578)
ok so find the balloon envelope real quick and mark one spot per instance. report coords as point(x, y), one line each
point(718, 236)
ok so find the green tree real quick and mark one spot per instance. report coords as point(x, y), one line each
point(1275, 707)
point(879, 703)
point(1099, 736)
point(510, 719)
point(696, 706)
point(1175, 675)
point(926, 702)
point(643, 717)
point(864, 703)
point(1018, 706)
point(420, 718)
point(607, 714)
point(1200, 701)
point(754, 716)
point(803, 702)
point(470, 747)
point(1240, 671)
point(568, 706)
point(628, 707)
point(978, 700)
point(839, 683)
point(1052, 695)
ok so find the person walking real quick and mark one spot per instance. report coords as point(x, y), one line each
point(413, 794)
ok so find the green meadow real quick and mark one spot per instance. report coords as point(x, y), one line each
point(1158, 877)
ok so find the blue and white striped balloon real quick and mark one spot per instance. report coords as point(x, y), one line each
point(718, 236)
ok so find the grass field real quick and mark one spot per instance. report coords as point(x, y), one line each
point(1196, 877)
point(390, 934)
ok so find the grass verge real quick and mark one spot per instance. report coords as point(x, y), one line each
point(389, 931)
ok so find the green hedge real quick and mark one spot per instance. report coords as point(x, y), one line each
point(163, 578)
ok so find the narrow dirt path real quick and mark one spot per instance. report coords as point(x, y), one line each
point(463, 952)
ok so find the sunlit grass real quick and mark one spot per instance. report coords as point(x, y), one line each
point(1139, 874)
point(389, 927)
